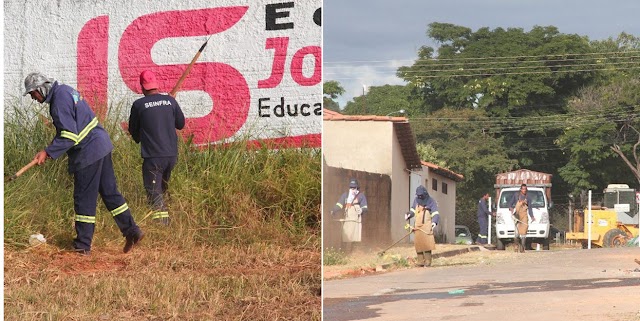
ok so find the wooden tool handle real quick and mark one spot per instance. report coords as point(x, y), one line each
point(23, 169)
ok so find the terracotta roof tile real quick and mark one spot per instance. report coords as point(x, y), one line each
point(443, 171)
point(330, 115)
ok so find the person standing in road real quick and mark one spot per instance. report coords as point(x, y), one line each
point(483, 219)
point(153, 122)
point(425, 210)
point(524, 199)
point(520, 206)
point(88, 147)
point(354, 205)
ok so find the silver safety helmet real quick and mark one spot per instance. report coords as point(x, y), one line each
point(39, 82)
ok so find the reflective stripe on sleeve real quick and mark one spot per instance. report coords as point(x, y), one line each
point(339, 205)
point(83, 133)
point(434, 213)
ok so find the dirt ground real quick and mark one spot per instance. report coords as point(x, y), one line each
point(367, 261)
point(565, 283)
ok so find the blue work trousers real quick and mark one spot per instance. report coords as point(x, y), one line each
point(156, 172)
point(89, 182)
point(484, 229)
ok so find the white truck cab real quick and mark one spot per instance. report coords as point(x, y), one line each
point(538, 230)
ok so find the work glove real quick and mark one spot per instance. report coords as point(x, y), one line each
point(358, 210)
point(408, 216)
point(407, 227)
point(433, 225)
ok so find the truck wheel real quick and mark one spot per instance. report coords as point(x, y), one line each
point(614, 238)
point(499, 244)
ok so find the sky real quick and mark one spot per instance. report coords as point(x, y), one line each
point(365, 41)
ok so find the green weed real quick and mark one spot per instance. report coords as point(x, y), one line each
point(332, 256)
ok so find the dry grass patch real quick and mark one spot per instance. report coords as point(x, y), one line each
point(257, 282)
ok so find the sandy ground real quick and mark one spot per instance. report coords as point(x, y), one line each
point(566, 283)
point(367, 261)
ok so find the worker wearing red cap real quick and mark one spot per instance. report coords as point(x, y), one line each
point(88, 147)
point(153, 122)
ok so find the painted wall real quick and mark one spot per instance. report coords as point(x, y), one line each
point(259, 77)
point(359, 145)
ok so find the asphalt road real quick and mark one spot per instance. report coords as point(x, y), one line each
point(566, 285)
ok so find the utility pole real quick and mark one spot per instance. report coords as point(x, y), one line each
point(364, 99)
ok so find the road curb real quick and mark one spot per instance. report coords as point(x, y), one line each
point(456, 252)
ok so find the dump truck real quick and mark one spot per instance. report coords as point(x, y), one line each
point(613, 223)
point(539, 187)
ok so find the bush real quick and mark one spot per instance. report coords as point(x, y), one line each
point(332, 256)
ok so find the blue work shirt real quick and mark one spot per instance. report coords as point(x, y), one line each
point(78, 132)
point(483, 209)
point(430, 204)
point(359, 199)
point(153, 122)
point(517, 197)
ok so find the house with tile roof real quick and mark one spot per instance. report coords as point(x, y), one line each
point(380, 151)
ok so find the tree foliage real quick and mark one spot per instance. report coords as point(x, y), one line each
point(465, 142)
point(383, 100)
point(602, 137)
point(502, 71)
point(331, 90)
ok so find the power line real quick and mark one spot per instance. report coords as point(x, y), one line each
point(509, 73)
point(573, 62)
point(485, 58)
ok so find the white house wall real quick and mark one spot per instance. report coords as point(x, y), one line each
point(399, 191)
point(258, 78)
point(359, 145)
point(446, 202)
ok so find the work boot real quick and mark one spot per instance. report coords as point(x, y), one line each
point(164, 221)
point(82, 252)
point(427, 258)
point(132, 240)
point(420, 259)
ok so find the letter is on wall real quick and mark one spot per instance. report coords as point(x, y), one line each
point(225, 85)
point(93, 49)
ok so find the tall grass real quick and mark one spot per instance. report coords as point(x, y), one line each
point(227, 204)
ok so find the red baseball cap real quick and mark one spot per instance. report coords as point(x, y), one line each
point(148, 80)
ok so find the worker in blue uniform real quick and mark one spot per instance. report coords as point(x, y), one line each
point(354, 204)
point(88, 147)
point(153, 122)
point(427, 217)
point(483, 219)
